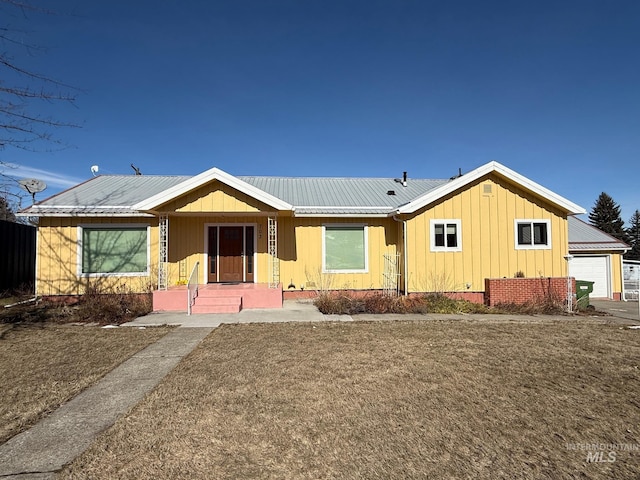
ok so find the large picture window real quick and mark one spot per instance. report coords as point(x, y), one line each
point(445, 235)
point(532, 234)
point(344, 248)
point(113, 250)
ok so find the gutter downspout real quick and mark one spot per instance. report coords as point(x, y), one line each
point(405, 262)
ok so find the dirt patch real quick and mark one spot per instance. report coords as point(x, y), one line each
point(444, 399)
point(45, 365)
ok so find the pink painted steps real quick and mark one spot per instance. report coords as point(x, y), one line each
point(219, 298)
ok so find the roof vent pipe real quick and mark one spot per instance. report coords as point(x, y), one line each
point(404, 179)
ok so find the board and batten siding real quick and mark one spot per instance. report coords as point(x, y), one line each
point(57, 257)
point(487, 237)
point(300, 252)
point(215, 197)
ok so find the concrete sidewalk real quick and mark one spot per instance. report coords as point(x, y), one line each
point(59, 438)
point(291, 311)
point(619, 309)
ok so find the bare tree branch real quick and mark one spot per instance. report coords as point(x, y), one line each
point(21, 91)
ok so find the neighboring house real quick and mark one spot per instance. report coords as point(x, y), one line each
point(597, 257)
point(301, 234)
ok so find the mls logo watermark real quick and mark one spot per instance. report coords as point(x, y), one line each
point(601, 457)
point(603, 452)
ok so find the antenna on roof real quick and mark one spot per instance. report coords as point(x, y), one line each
point(136, 169)
point(32, 186)
point(94, 169)
point(458, 175)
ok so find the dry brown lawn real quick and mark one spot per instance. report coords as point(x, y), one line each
point(441, 399)
point(43, 366)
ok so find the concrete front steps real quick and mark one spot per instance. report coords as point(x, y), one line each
point(219, 298)
point(208, 302)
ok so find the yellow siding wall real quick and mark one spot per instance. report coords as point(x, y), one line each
point(300, 252)
point(215, 197)
point(488, 239)
point(57, 258)
point(616, 271)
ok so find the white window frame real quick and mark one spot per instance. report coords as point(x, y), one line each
point(432, 234)
point(123, 226)
point(531, 221)
point(366, 247)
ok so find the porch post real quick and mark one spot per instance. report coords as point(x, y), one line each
point(163, 251)
point(272, 247)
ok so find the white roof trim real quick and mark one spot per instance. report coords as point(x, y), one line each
point(483, 170)
point(204, 178)
point(575, 248)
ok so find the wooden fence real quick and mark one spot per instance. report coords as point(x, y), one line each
point(17, 256)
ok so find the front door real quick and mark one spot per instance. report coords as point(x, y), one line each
point(230, 254)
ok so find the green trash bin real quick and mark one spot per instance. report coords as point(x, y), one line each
point(583, 289)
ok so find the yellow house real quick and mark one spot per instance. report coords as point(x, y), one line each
point(282, 237)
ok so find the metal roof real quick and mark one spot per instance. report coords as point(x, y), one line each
point(585, 237)
point(116, 194)
point(104, 195)
point(309, 196)
point(343, 193)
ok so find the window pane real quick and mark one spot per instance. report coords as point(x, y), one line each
point(438, 230)
point(452, 236)
point(540, 233)
point(112, 250)
point(213, 249)
point(524, 234)
point(344, 248)
point(248, 242)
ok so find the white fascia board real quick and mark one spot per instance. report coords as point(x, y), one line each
point(316, 212)
point(204, 178)
point(79, 211)
point(341, 215)
point(84, 214)
point(483, 170)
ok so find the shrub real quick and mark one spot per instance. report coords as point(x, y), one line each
point(117, 306)
point(346, 303)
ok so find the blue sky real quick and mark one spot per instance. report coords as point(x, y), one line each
point(346, 88)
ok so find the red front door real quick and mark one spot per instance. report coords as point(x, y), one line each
point(230, 254)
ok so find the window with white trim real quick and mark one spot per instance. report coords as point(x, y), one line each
point(344, 248)
point(113, 250)
point(445, 235)
point(533, 234)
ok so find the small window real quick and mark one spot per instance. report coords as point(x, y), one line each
point(344, 249)
point(445, 236)
point(113, 250)
point(533, 234)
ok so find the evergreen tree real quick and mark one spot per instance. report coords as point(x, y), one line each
point(633, 233)
point(605, 215)
point(6, 213)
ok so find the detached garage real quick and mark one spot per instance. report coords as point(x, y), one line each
point(597, 257)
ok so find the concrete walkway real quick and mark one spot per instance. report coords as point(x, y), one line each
point(619, 309)
point(59, 438)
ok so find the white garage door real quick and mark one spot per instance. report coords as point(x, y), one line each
point(594, 269)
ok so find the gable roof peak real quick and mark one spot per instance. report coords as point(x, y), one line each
point(491, 167)
point(205, 177)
